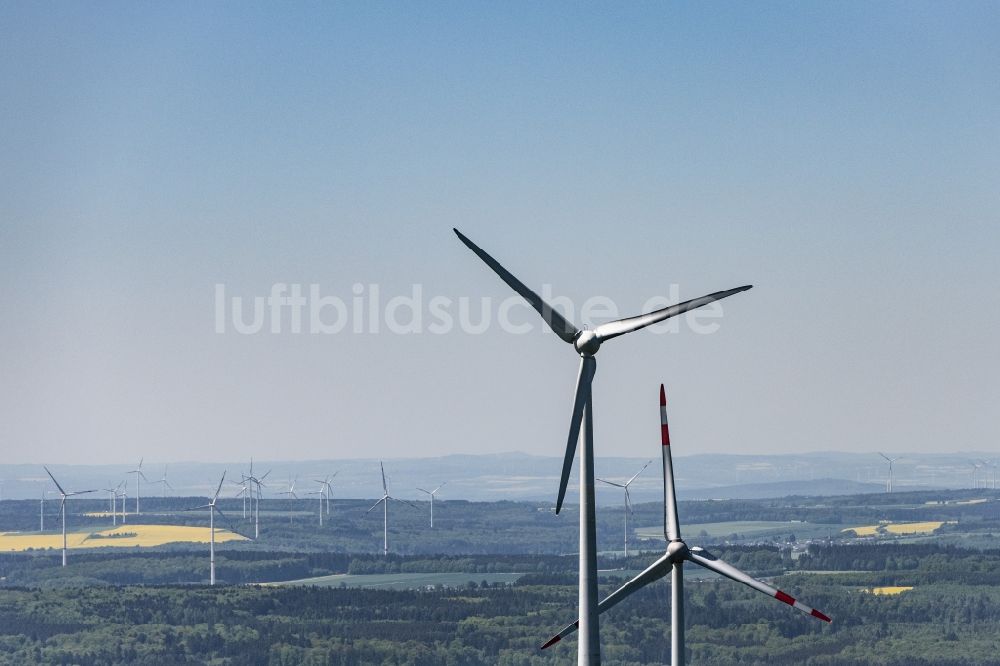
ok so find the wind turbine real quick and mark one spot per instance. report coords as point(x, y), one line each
point(888, 482)
point(138, 473)
point(291, 493)
point(432, 493)
point(321, 494)
point(62, 508)
point(211, 523)
point(673, 560)
point(327, 488)
point(259, 483)
point(112, 498)
point(41, 510)
point(123, 486)
point(628, 500)
point(164, 481)
point(244, 489)
point(586, 343)
point(384, 501)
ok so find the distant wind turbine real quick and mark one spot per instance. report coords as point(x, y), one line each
point(244, 489)
point(212, 509)
point(384, 501)
point(163, 481)
point(112, 498)
point(888, 481)
point(123, 495)
point(432, 493)
point(259, 484)
point(327, 488)
point(62, 508)
point(291, 494)
point(673, 560)
point(586, 343)
point(138, 473)
point(628, 500)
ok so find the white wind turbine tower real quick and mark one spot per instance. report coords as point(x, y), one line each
point(41, 510)
point(123, 495)
point(628, 499)
point(62, 508)
point(673, 560)
point(975, 474)
point(164, 482)
point(138, 473)
point(327, 488)
point(291, 493)
point(320, 493)
point(258, 483)
point(211, 523)
point(244, 489)
point(586, 343)
point(384, 501)
point(888, 481)
point(113, 503)
point(432, 493)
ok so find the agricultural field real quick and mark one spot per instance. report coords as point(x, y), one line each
point(123, 536)
point(744, 529)
point(405, 581)
point(891, 590)
point(925, 527)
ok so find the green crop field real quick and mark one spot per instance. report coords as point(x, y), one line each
point(746, 529)
point(405, 581)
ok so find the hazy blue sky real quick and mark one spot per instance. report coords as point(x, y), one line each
point(842, 157)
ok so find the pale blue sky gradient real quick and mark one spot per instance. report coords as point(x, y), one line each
point(842, 157)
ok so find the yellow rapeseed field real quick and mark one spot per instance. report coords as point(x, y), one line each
point(891, 589)
point(145, 535)
point(896, 528)
point(870, 530)
point(913, 528)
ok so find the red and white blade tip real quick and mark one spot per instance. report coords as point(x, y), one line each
point(790, 600)
point(558, 637)
point(664, 429)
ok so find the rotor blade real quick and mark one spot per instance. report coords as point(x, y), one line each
point(216, 496)
point(195, 508)
point(610, 483)
point(439, 487)
point(637, 473)
point(653, 572)
point(80, 492)
point(229, 523)
point(704, 558)
point(61, 491)
point(613, 329)
point(396, 499)
point(385, 488)
point(671, 524)
point(628, 501)
point(424, 491)
point(563, 328)
point(376, 505)
point(588, 366)
point(884, 456)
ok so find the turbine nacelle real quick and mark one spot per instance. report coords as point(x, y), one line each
point(678, 551)
point(587, 343)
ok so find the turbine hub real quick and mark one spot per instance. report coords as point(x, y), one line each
point(677, 551)
point(587, 343)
